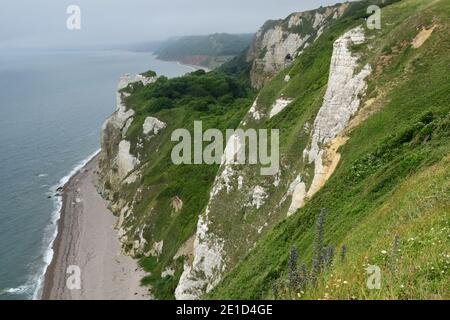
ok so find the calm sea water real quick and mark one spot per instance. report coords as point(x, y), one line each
point(52, 105)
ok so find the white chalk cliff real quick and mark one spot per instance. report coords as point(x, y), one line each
point(340, 103)
point(277, 44)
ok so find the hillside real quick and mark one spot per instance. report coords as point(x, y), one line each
point(363, 120)
point(208, 51)
point(387, 203)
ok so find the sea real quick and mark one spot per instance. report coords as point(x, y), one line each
point(52, 106)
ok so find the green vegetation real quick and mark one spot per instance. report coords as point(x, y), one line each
point(149, 74)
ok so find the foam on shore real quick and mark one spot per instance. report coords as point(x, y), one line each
point(51, 231)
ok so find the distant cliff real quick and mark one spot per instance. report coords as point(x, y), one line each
point(278, 42)
point(208, 51)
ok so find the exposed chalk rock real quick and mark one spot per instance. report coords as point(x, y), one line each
point(131, 178)
point(176, 203)
point(277, 179)
point(156, 249)
point(121, 116)
point(340, 103)
point(274, 43)
point(258, 196)
point(295, 20)
point(223, 181)
point(124, 81)
point(233, 147)
point(318, 19)
point(138, 245)
point(205, 271)
point(298, 196)
point(145, 80)
point(278, 106)
point(255, 114)
point(168, 272)
point(126, 162)
point(274, 47)
point(240, 182)
point(278, 44)
point(342, 98)
point(152, 126)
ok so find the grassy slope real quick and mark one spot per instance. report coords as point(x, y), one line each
point(229, 216)
point(382, 163)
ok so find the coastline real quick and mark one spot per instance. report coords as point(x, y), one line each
point(192, 66)
point(86, 238)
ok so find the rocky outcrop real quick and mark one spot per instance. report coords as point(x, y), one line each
point(152, 126)
point(126, 162)
point(112, 134)
point(277, 43)
point(119, 165)
point(340, 103)
point(258, 196)
point(204, 272)
point(278, 106)
point(145, 80)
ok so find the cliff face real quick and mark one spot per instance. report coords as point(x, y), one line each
point(117, 164)
point(357, 123)
point(263, 201)
point(277, 43)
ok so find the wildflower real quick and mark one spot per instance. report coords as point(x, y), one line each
point(396, 244)
point(383, 251)
point(343, 252)
point(319, 234)
point(275, 290)
point(292, 268)
point(345, 282)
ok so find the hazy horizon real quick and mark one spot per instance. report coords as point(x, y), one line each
point(27, 24)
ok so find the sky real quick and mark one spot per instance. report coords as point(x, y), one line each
point(43, 23)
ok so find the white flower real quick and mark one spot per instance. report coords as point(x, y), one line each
point(383, 251)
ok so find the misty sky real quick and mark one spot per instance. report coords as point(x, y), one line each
point(42, 23)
